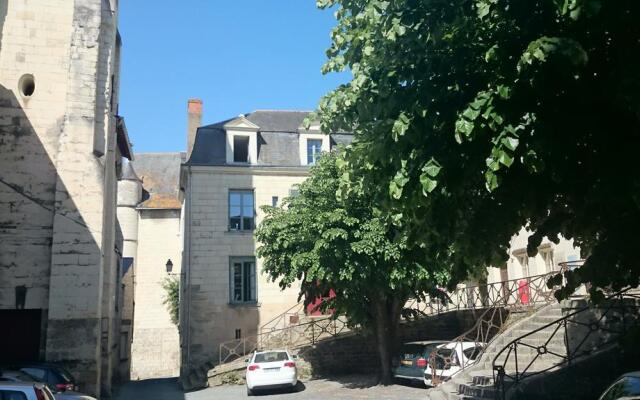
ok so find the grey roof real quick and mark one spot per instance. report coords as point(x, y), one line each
point(160, 176)
point(278, 139)
point(277, 121)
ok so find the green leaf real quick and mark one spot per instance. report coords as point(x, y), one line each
point(505, 159)
point(368, 50)
point(464, 127)
point(492, 181)
point(428, 184)
point(400, 126)
point(510, 143)
point(471, 114)
point(432, 168)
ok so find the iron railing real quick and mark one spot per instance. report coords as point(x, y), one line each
point(289, 331)
point(565, 340)
point(289, 337)
point(499, 300)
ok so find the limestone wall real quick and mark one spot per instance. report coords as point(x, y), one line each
point(58, 160)
point(155, 349)
point(35, 40)
point(210, 318)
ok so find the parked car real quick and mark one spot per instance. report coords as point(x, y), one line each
point(19, 376)
point(412, 359)
point(24, 391)
point(71, 395)
point(15, 376)
point(271, 369)
point(448, 359)
point(625, 387)
point(54, 376)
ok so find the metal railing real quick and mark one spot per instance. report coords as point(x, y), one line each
point(291, 316)
point(499, 300)
point(565, 340)
point(289, 337)
point(293, 328)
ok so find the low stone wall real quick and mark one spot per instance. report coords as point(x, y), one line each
point(357, 353)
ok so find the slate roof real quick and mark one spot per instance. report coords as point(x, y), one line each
point(160, 176)
point(278, 139)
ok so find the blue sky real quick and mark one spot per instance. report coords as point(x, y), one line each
point(236, 55)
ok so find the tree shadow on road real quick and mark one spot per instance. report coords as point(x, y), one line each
point(300, 387)
point(356, 381)
point(155, 389)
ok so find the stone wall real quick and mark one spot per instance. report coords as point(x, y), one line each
point(207, 314)
point(58, 155)
point(358, 354)
point(155, 350)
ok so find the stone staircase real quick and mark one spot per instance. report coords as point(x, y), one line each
point(572, 333)
point(476, 381)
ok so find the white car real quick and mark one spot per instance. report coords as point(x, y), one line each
point(25, 391)
point(450, 358)
point(271, 369)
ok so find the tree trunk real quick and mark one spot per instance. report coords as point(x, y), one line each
point(387, 318)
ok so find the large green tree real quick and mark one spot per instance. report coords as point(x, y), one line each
point(478, 117)
point(343, 243)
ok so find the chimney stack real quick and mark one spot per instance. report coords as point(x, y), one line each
point(194, 120)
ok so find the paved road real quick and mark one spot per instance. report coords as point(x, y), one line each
point(347, 388)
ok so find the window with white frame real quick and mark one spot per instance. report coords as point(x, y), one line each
point(523, 259)
point(547, 256)
point(242, 280)
point(314, 149)
point(241, 210)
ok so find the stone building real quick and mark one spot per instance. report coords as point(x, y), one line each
point(519, 265)
point(155, 222)
point(61, 145)
point(235, 167)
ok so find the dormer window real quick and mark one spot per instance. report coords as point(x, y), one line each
point(242, 141)
point(241, 149)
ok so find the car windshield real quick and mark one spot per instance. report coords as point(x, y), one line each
point(415, 350)
point(17, 376)
point(271, 356)
point(625, 387)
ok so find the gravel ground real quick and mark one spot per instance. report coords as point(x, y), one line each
point(344, 388)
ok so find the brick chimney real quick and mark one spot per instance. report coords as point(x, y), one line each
point(194, 120)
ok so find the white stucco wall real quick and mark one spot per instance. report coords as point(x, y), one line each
point(562, 252)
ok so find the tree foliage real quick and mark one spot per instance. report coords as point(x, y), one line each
point(478, 117)
point(171, 298)
point(344, 244)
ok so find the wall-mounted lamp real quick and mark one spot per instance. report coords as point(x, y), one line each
point(169, 266)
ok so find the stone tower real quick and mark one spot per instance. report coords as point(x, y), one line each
point(61, 145)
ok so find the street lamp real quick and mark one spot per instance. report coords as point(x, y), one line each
point(169, 266)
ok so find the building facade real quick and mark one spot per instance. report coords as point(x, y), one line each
point(61, 145)
point(235, 167)
point(550, 257)
point(155, 350)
